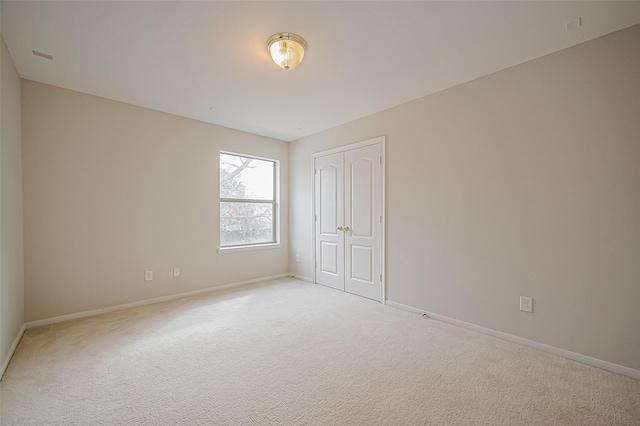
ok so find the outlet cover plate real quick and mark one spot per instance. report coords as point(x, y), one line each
point(526, 304)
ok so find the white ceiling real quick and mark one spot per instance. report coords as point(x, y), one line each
point(208, 60)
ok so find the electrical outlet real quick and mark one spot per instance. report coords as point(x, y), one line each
point(176, 272)
point(297, 258)
point(573, 24)
point(526, 304)
point(148, 275)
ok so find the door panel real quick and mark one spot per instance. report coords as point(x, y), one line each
point(361, 217)
point(329, 215)
point(362, 264)
point(329, 258)
point(328, 199)
point(363, 213)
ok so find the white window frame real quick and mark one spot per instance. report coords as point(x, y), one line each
point(275, 202)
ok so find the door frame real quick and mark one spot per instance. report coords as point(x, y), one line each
point(380, 140)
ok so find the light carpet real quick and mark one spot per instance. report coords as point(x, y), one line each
point(292, 353)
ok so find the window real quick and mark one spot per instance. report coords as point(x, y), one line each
point(247, 200)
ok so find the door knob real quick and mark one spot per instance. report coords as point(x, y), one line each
point(339, 228)
point(346, 228)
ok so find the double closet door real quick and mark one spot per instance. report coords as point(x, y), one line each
point(348, 220)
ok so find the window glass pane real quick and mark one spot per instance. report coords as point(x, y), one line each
point(246, 178)
point(246, 223)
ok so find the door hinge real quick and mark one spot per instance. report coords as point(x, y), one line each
point(380, 219)
point(380, 160)
point(380, 277)
point(315, 217)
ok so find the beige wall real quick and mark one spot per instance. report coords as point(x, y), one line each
point(11, 242)
point(112, 190)
point(525, 182)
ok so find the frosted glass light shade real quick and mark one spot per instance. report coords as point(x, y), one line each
point(286, 50)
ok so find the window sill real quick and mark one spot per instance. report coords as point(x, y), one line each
point(223, 250)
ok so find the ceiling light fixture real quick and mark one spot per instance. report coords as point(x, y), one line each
point(286, 49)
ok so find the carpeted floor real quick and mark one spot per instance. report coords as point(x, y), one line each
point(293, 353)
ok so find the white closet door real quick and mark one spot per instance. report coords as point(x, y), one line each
point(329, 202)
point(363, 219)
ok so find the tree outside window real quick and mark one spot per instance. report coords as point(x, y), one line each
point(247, 200)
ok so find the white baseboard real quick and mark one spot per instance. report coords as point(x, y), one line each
point(594, 362)
point(405, 307)
point(12, 349)
point(303, 278)
point(61, 318)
